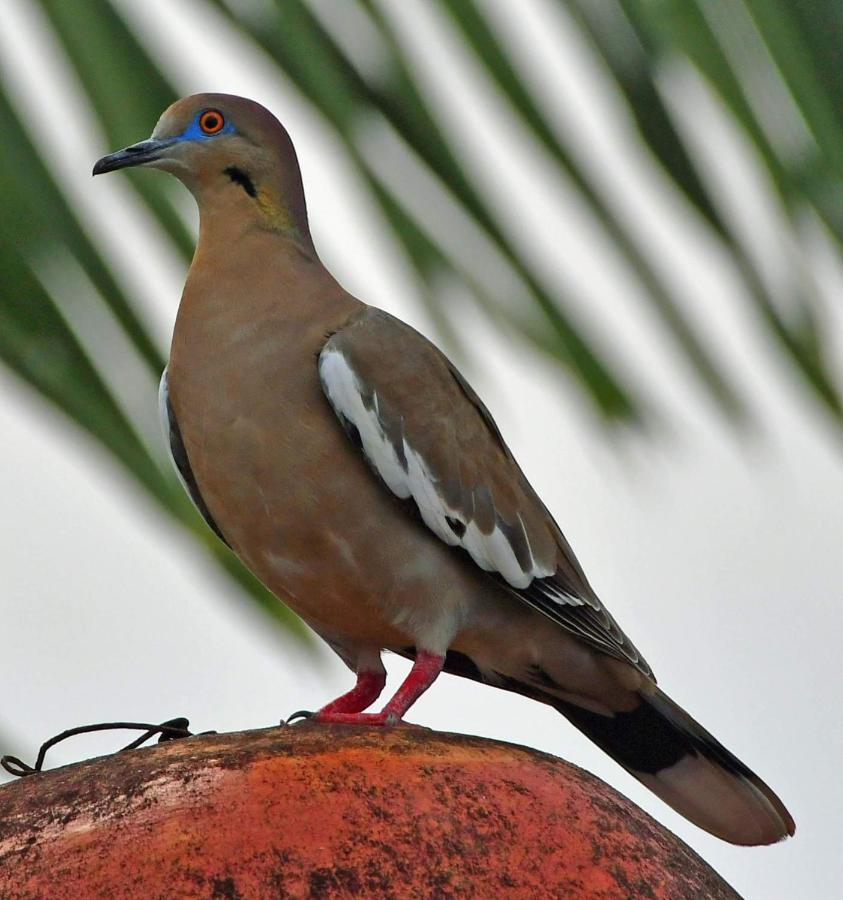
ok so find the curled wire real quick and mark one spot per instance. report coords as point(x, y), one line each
point(171, 730)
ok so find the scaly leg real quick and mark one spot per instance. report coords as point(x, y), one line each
point(424, 672)
point(361, 696)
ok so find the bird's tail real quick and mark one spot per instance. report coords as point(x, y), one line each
point(677, 759)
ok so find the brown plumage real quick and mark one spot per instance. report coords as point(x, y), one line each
point(355, 472)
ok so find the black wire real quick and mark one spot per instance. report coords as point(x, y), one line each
point(171, 730)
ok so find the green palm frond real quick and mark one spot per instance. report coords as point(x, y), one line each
point(773, 67)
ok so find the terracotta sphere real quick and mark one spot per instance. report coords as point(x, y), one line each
point(335, 811)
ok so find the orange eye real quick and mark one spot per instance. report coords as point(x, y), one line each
point(211, 121)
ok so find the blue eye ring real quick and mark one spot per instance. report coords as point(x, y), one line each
point(212, 121)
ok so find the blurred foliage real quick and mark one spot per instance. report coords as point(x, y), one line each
point(733, 46)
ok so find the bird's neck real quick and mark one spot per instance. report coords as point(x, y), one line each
point(229, 210)
point(258, 273)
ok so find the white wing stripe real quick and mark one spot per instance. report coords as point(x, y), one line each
point(340, 384)
point(430, 504)
point(492, 552)
point(552, 592)
point(503, 558)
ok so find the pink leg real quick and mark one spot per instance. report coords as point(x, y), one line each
point(362, 695)
point(425, 669)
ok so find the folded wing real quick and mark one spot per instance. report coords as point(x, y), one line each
point(432, 442)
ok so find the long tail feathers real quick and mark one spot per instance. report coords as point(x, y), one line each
point(671, 754)
point(677, 759)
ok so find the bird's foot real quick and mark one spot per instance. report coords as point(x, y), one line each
point(348, 709)
point(381, 719)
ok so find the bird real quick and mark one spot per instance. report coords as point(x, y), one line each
point(351, 467)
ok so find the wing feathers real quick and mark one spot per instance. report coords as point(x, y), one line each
point(474, 525)
point(349, 401)
point(426, 434)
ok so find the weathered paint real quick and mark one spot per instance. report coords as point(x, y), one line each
point(332, 811)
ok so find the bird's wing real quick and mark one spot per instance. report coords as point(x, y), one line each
point(432, 442)
point(178, 455)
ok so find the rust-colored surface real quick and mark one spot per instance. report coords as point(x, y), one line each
point(320, 811)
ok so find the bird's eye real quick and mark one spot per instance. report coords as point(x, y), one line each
point(211, 121)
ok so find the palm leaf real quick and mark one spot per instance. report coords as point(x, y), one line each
point(654, 33)
point(316, 64)
point(39, 346)
point(795, 46)
point(111, 65)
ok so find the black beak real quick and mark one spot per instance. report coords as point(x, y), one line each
point(136, 155)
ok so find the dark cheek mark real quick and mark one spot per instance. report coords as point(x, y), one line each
point(238, 176)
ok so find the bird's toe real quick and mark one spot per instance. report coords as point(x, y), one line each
point(300, 714)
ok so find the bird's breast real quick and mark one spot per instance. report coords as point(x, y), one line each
point(286, 487)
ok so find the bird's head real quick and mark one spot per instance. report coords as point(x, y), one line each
point(231, 153)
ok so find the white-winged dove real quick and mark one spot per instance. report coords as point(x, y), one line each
point(352, 468)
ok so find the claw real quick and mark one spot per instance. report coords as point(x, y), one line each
point(301, 714)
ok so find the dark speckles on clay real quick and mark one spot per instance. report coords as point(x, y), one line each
point(333, 882)
point(327, 811)
point(224, 889)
